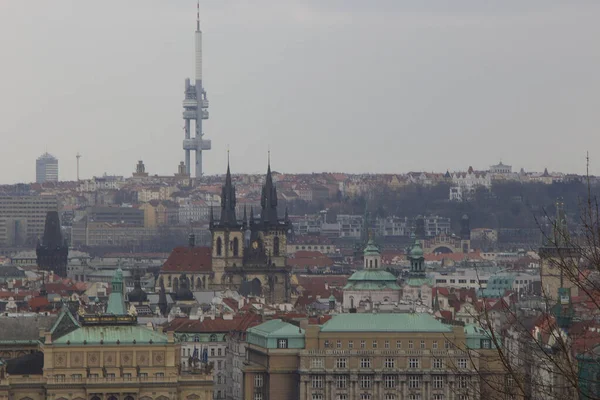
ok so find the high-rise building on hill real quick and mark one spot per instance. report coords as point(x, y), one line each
point(46, 168)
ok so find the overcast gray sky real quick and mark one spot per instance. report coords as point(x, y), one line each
point(352, 85)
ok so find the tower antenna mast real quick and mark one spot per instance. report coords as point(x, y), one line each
point(78, 156)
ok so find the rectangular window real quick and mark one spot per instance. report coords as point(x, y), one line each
point(437, 363)
point(143, 375)
point(390, 396)
point(316, 363)
point(350, 344)
point(462, 363)
point(316, 381)
point(386, 344)
point(341, 381)
point(422, 344)
point(463, 382)
point(486, 344)
point(341, 397)
point(76, 377)
point(317, 396)
point(258, 396)
point(259, 381)
point(365, 381)
point(389, 381)
point(363, 344)
point(127, 376)
point(339, 344)
point(219, 364)
point(446, 344)
point(365, 363)
point(390, 363)
point(413, 363)
point(434, 345)
point(414, 397)
point(219, 352)
point(162, 375)
point(374, 344)
point(365, 396)
point(282, 343)
point(59, 378)
point(438, 381)
point(398, 344)
point(410, 344)
point(212, 352)
point(414, 382)
point(341, 363)
point(438, 397)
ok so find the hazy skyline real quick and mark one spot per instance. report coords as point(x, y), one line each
point(396, 86)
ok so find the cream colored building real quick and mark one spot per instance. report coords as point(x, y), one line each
point(104, 357)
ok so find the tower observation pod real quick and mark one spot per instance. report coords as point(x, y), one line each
point(195, 108)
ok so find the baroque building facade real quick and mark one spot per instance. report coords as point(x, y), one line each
point(105, 356)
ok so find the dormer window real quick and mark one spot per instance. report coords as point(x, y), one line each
point(282, 343)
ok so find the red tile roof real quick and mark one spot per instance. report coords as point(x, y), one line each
point(208, 325)
point(189, 259)
point(311, 282)
point(304, 259)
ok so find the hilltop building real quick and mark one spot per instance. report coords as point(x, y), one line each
point(46, 168)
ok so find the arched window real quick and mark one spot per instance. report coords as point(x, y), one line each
point(375, 263)
point(175, 284)
point(199, 283)
point(276, 246)
point(192, 283)
point(351, 301)
point(370, 263)
point(236, 246)
point(213, 338)
point(169, 281)
point(219, 246)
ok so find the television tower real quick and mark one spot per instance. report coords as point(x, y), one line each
point(195, 107)
point(78, 156)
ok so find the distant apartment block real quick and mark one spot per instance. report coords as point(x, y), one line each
point(46, 168)
point(119, 215)
point(22, 218)
point(106, 182)
point(84, 233)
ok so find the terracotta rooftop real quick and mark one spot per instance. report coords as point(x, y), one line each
point(189, 259)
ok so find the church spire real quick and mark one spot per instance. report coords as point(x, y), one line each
point(228, 199)
point(268, 199)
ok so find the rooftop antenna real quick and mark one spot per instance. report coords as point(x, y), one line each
point(78, 156)
point(198, 16)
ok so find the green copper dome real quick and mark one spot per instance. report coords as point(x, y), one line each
point(416, 251)
point(372, 279)
point(371, 249)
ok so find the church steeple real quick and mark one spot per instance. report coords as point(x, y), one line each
point(268, 199)
point(228, 200)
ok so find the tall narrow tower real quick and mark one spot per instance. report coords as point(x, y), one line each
point(195, 107)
